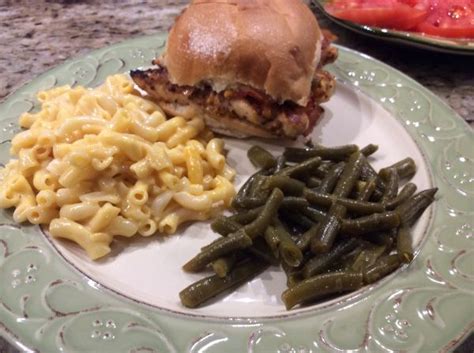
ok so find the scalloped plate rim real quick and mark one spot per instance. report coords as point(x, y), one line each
point(13, 338)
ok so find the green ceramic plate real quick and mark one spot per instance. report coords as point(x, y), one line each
point(53, 299)
point(454, 46)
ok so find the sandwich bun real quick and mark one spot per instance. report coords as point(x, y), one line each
point(271, 45)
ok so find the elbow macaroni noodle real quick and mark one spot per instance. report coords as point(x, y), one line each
point(105, 162)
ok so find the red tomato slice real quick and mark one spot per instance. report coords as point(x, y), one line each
point(450, 18)
point(398, 14)
point(409, 20)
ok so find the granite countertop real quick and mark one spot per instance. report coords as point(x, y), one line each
point(38, 35)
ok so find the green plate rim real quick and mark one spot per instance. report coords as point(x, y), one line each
point(233, 332)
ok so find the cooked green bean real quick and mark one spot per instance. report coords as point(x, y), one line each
point(330, 180)
point(367, 257)
point(256, 189)
point(321, 171)
point(338, 153)
point(305, 240)
point(368, 173)
point(405, 168)
point(223, 246)
point(366, 193)
point(326, 165)
point(407, 191)
point(404, 244)
point(328, 229)
point(414, 207)
point(246, 216)
point(296, 219)
point(294, 203)
point(292, 213)
point(206, 288)
point(256, 249)
point(244, 203)
point(288, 185)
point(322, 262)
point(292, 279)
point(373, 223)
point(289, 252)
point(381, 268)
point(313, 182)
point(223, 265)
point(314, 214)
point(280, 163)
point(383, 238)
point(345, 262)
point(319, 286)
point(359, 186)
point(391, 185)
point(349, 175)
point(262, 251)
point(258, 226)
point(355, 206)
point(302, 168)
point(245, 189)
point(273, 240)
point(225, 225)
point(369, 149)
point(293, 275)
point(261, 158)
point(361, 207)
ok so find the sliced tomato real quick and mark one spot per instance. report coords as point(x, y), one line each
point(408, 19)
point(397, 14)
point(367, 16)
point(449, 18)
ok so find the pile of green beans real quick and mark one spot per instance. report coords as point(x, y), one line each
point(324, 214)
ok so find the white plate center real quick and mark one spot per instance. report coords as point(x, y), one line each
point(149, 269)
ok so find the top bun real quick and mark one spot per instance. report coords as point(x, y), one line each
point(271, 45)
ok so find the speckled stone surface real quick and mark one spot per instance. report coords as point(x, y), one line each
point(36, 35)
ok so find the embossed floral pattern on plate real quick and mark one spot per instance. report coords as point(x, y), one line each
point(49, 307)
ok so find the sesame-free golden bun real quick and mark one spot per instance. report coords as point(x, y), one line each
point(271, 45)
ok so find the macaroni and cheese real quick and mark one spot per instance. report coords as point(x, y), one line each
point(105, 162)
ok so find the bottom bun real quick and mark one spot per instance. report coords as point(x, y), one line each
point(222, 124)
